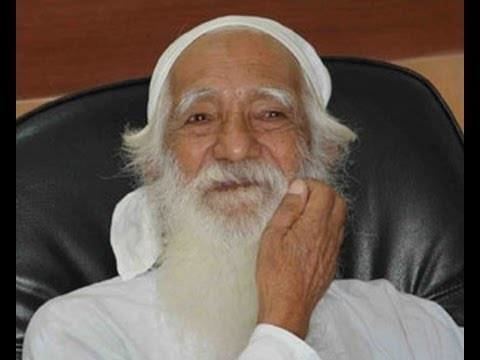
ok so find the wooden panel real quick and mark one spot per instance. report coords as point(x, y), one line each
point(65, 46)
point(446, 73)
point(24, 106)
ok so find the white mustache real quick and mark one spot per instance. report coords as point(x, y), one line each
point(245, 173)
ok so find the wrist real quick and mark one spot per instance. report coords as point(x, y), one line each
point(294, 323)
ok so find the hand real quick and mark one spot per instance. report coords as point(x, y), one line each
point(298, 252)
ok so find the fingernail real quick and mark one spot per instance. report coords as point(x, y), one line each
point(297, 187)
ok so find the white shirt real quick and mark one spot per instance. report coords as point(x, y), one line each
point(354, 320)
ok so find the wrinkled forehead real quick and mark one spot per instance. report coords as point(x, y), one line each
point(236, 56)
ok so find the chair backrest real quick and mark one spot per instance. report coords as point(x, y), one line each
point(406, 179)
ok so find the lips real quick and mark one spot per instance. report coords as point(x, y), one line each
point(232, 185)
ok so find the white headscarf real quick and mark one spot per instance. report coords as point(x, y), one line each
point(305, 54)
point(132, 240)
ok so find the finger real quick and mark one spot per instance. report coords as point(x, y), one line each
point(341, 238)
point(329, 254)
point(332, 247)
point(333, 227)
point(322, 197)
point(339, 212)
point(320, 204)
point(324, 216)
point(291, 207)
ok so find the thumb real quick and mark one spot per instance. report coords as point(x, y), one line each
point(291, 207)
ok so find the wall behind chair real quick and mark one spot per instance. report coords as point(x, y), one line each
point(67, 46)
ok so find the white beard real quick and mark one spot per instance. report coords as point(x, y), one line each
point(206, 280)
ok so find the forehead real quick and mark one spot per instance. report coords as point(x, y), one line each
point(232, 60)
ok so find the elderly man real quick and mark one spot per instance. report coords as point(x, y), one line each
point(228, 248)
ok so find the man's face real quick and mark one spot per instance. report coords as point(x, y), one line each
point(236, 97)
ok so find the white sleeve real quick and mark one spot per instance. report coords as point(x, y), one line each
point(430, 331)
point(271, 342)
point(373, 320)
point(423, 328)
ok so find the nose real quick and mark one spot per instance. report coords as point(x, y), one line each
point(235, 141)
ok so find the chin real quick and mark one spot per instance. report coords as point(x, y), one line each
point(238, 214)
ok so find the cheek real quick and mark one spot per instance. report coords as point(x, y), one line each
point(190, 152)
point(282, 148)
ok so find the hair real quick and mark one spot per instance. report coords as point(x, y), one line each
point(143, 148)
point(326, 146)
point(326, 149)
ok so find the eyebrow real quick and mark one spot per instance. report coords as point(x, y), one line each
point(281, 95)
point(191, 96)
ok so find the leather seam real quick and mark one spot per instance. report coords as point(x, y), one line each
point(447, 293)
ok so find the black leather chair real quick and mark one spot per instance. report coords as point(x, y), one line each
point(406, 178)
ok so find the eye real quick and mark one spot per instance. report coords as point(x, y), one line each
point(273, 114)
point(196, 118)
